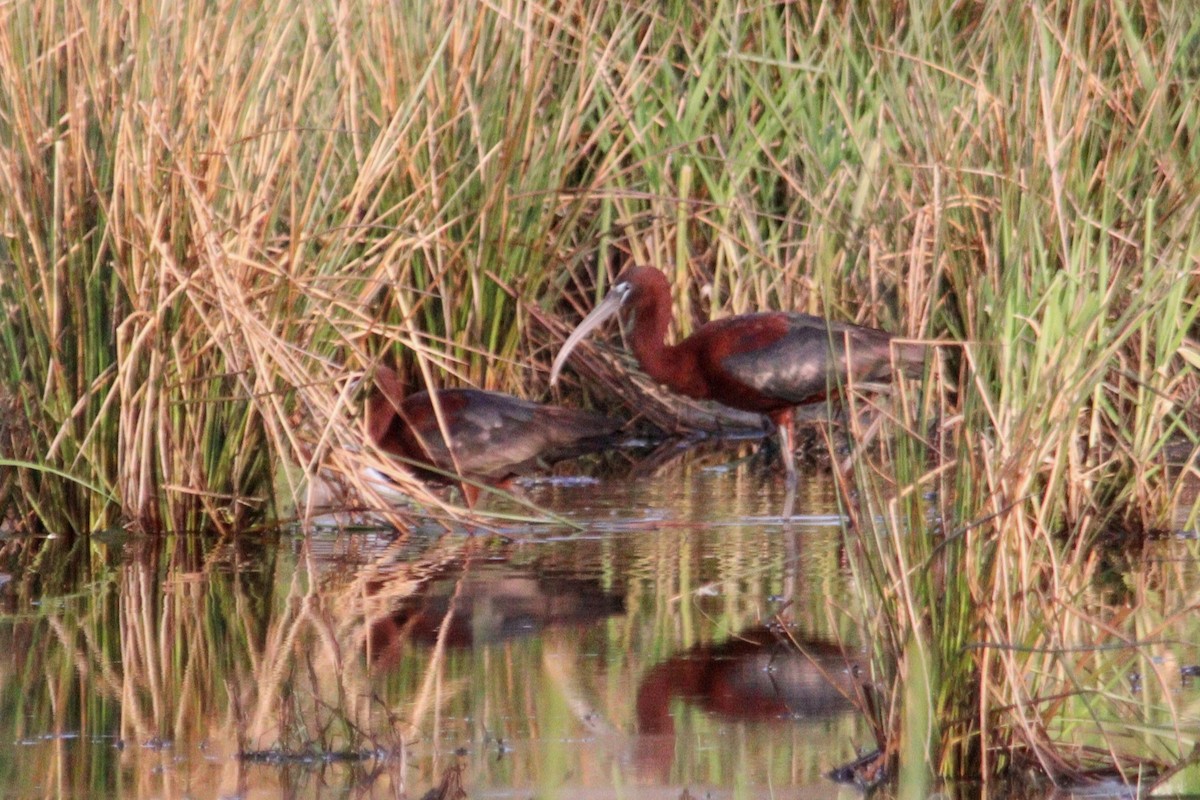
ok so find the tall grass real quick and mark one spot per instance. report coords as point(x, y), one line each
point(212, 213)
point(1048, 168)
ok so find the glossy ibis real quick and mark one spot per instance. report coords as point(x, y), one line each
point(493, 437)
point(768, 362)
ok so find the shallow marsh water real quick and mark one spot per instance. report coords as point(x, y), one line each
point(652, 650)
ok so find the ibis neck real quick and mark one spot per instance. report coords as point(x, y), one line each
point(665, 363)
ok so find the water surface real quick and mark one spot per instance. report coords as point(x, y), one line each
point(682, 635)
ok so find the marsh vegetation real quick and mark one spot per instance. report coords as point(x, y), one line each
point(213, 215)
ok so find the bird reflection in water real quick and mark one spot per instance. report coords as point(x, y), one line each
point(760, 675)
point(488, 605)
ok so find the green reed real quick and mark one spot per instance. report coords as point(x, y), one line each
point(1054, 250)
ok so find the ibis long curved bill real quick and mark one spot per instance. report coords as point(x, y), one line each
point(609, 306)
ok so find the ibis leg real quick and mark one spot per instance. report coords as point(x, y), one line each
point(787, 444)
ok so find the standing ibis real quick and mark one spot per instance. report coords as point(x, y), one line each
point(768, 363)
point(492, 437)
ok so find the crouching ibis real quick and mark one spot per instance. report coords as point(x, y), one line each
point(491, 438)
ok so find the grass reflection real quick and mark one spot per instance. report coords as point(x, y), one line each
point(145, 665)
point(528, 659)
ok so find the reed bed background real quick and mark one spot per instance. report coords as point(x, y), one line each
point(212, 215)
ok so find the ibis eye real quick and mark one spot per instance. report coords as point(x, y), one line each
point(624, 288)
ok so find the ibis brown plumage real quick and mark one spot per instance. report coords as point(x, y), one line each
point(768, 362)
point(490, 438)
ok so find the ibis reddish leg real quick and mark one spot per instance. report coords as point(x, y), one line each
point(787, 440)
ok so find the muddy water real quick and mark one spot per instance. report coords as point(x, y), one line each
point(679, 635)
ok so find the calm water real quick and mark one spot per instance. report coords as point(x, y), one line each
point(649, 651)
